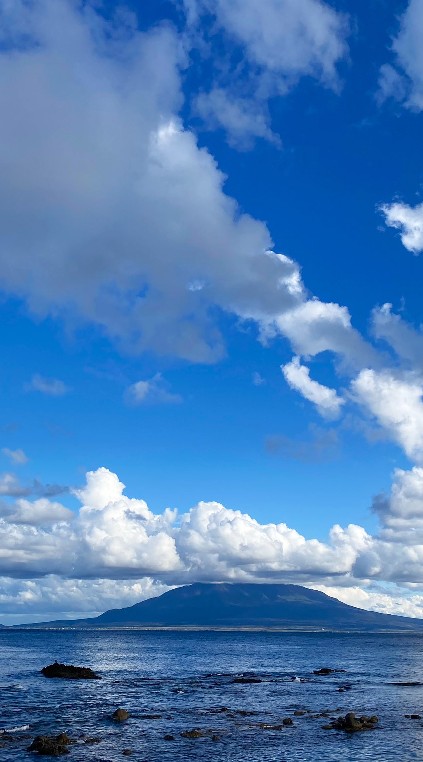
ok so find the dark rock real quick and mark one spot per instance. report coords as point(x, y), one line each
point(168, 737)
point(69, 672)
point(120, 715)
point(247, 680)
point(91, 740)
point(300, 713)
point(407, 685)
point(51, 746)
point(287, 721)
point(327, 671)
point(194, 733)
point(215, 737)
point(352, 724)
point(126, 752)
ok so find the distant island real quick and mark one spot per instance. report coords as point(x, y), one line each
point(244, 606)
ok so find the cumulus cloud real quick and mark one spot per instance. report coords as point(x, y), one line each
point(110, 211)
point(115, 540)
point(404, 79)
point(396, 403)
point(279, 42)
point(53, 597)
point(53, 387)
point(153, 391)
point(10, 486)
point(409, 221)
point(18, 457)
point(327, 401)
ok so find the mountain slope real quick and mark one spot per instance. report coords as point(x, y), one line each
point(247, 605)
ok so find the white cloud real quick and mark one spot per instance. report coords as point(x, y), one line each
point(373, 600)
point(396, 403)
point(327, 401)
point(242, 118)
point(409, 220)
point(153, 391)
point(136, 210)
point(53, 387)
point(53, 597)
point(116, 540)
point(406, 341)
point(280, 41)
point(41, 511)
point(16, 456)
point(405, 80)
point(313, 326)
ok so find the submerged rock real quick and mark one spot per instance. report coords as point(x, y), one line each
point(247, 679)
point(327, 671)
point(352, 724)
point(194, 733)
point(120, 715)
point(69, 672)
point(51, 746)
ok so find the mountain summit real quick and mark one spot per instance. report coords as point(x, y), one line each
point(237, 605)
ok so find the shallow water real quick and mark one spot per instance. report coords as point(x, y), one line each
point(187, 679)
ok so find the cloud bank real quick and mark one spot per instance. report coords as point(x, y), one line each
point(113, 537)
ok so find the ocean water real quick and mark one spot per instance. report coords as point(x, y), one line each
point(171, 682)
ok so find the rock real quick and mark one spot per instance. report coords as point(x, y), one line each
point(300, 713)
point(91, 740)
point(215, 737)
point(69, 672)
point(287, 721)
point(51, 746)
point(194, 733)
point(415, 717)
point(247, 680)
point(126, 752)
point(168, 737)
point(352, 724)
point(327, 671)
point(120, 715)
point(407, 685)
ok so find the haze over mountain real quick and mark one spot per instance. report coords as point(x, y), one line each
point(246, 605)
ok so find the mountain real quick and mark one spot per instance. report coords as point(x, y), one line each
point(214, 605)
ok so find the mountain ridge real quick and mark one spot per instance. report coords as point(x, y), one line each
point(208, 605)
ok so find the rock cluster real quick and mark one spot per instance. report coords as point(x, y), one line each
point(352, 724)
point(51, 746)
point(69, 672)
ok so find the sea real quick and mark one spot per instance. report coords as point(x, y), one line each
point(173, 682)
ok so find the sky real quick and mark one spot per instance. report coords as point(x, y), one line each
point(211, 228)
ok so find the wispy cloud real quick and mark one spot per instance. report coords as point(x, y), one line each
point(53, 387)
point(153, 391)
point(16, 456)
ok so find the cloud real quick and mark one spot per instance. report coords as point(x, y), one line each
point(10, 486)
point(241, 118)
point(116, 540)
point(136, 212)
point(258, 379)
point(53, 387)
point(406, 341)
point(154, 391)
point(404, 80)
point(277, 43)
point(313, 326)
point(409, 220)
point(16, 456)
point(327, 401)
point(38, 512)
point(396, 403)
point(53, 597)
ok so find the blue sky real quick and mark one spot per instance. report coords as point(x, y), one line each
point(157, 159)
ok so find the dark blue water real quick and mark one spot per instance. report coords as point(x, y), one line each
point(187, 680)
